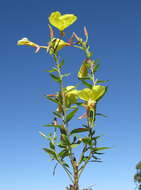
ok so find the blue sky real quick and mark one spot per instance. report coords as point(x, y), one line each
point(114, 29)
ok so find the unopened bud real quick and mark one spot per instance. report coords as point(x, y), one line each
point(85, 31)
point(42, 134)
point(51, 31)
point(75, 35)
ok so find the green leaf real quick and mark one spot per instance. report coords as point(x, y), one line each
point(87, 140)
point(66, 75)
point(50, 152)
point(61, 64)
point(70, 115)
point(96, 67)
point(79, 130)
point(52, 70)
point(86, 83)
point(61, 145)
point(56, 78)
point(101, 81)
point(51, 125)
point(95, 138)
point(100, 148)
point(65, 139)
point(57, 114)
point(52, 146)
point(63, 154)
point(52, 99)
point(65, 164)
point(55, 168)
point(74, 145)
point(101, 114)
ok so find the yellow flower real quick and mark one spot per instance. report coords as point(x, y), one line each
point(27, 42)
point(56, 44)
point(91, 95)
point(61, 21)
point(71, 95)
point(83, 72)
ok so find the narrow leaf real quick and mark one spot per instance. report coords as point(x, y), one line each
point(100, 148)
point(101, 114)
point(79, 130)
point(56, 78)
point(86, 83)
point(71, 114)
point(52, 99)
point(65, 139)
point(51, 125)
point(74, 145)
point(52, 70)
point(61, 64)
point(57, 114)
point(96, 67)
point(52, 146)
point(101, 81)
point(55, 168)
point(50, 152)
point(87, 140)
point(66, 75)
point(63, 154)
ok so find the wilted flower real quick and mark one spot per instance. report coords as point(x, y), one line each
point(27, 42)
point(55, 45)
point(61, 21)
point(83, 71)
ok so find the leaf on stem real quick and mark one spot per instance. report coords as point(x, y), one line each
point(87, 140)
point(74, 145)
point(71, 115)
point(65, 139)
point(101, 114)
point(56, 78)
point(51, 152)
point(100, 148)
point(51, 125)
point(86, 83)
point(57, 114)
point(61, 64)
point(79, 130)
point(52, 70)
point(52, 99)
point(96, 67)
point(55, 168)
point(64, 153)
point(101, 81)
point(52, 146)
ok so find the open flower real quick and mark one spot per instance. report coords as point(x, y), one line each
point(71, 95)
point(61, 21)
point(91, 95)
point(56, 44)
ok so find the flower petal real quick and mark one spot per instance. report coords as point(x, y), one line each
point(98, 91)
point(61, 21)
point(92, 94)
point(85, 94)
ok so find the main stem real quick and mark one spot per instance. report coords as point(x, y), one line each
point(72, 159)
